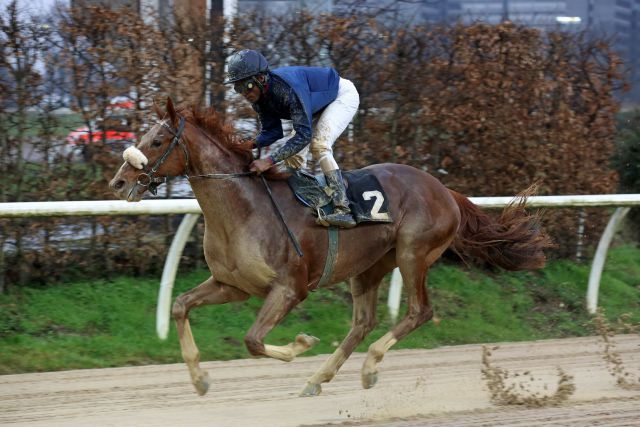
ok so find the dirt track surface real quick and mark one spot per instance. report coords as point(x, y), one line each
point(442, 387)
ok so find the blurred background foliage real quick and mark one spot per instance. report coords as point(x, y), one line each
point(486, 109)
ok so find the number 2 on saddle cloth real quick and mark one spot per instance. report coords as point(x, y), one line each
point(367, 198)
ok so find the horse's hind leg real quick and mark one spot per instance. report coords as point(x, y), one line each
point(364, 290)
point(413, 267)
point(208, 292)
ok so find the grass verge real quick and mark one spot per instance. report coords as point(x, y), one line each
point(104, 324)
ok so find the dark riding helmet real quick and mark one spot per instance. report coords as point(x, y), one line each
point(245, 63)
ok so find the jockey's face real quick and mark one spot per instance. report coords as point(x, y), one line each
point(249, 88)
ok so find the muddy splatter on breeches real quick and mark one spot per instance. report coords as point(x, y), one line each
point(328, 127)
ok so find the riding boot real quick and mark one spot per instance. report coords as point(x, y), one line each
point(341, 215)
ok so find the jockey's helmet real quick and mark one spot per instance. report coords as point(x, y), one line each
point(245, 63)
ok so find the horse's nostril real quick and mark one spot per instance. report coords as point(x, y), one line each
point(118, 185)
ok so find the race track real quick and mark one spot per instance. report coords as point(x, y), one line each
point(442, 387)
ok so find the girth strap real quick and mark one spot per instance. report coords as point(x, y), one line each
point(332, 256)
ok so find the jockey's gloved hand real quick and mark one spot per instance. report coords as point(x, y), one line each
point(262, 165)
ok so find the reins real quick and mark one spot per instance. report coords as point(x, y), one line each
point(215, 175)
point(153, 182)
point(292, 236)
point(219, 175)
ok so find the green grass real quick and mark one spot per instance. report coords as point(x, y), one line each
point(102, 324)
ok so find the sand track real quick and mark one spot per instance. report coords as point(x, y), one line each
point(442, 387)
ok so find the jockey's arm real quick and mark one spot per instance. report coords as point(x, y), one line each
point(302, 138)
point(270, 129)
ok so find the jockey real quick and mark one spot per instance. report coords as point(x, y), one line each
point(319, 103)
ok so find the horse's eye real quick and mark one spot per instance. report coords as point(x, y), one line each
point(156, 143)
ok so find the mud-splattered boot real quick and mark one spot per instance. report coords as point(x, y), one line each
point(341, 216)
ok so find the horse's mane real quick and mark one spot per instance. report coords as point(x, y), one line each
point(209, 120)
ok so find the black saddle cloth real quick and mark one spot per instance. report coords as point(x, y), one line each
point(367, 199)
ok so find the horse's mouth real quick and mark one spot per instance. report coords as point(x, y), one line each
point(134, 194)
point(126, 191)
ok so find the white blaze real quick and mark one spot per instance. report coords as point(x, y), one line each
point(134, 157)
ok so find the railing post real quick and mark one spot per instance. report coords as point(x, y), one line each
point(395, 294)
point(169, 273)
point(600, 257)
point(582, 216)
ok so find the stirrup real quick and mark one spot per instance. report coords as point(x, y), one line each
point(321, 219)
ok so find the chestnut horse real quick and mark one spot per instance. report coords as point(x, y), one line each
point(249, 253)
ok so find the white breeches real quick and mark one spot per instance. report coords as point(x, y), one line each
point(328, 127)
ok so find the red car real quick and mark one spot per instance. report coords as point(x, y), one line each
point(115, 129)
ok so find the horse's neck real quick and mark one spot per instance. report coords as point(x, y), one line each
point(228, 208)
point(216, 196)
point(224, 202)
point(207, 157)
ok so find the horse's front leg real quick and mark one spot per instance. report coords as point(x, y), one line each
point(278, 304)
point(208, 292)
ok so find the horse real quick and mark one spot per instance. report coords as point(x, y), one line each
point(249, 254)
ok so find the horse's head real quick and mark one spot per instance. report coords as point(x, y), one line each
point(159, 154)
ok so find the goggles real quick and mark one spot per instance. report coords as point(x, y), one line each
point(244, 86)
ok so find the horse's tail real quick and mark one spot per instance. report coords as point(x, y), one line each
point(513, 241)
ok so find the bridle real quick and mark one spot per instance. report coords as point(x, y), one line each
point(149, 179)
point(148, 176)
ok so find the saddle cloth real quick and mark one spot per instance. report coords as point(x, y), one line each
point(367, 199)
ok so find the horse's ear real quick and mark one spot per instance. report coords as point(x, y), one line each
point(171, 111)
point(156, 109)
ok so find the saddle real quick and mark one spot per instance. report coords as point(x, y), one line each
point(367, 199)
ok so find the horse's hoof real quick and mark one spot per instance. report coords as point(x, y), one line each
point(311, 390)
point(307, 340)
point(369, 380)
point(202, 385)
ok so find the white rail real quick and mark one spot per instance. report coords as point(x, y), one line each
point(183, 206)
point(99, 207)
point(191, 206)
